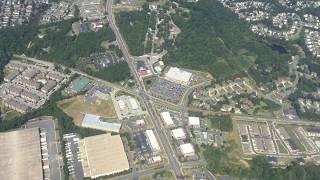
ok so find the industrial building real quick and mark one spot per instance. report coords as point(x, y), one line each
point(179, 134)
point(152, 141)
point(103, 155)
point(167, 118)
point(194, 122)
point(22, 154)
point(187, 149)
point(93, 121)
point(179, 76)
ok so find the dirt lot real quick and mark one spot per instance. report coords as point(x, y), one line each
point(76, 108)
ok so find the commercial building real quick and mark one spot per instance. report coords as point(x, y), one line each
point(133, 103)
point(93, 121)
point(103, 155)
point(194, 122)
point(152, 141)
point(187, 149)
point(21, 155)
point(167, 118)
point(179, 76)
point(179, 134)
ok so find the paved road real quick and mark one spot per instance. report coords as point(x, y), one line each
point(174, 163)
point(140, 174)
point(276, 120)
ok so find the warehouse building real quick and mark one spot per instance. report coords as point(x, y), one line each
point(21, 156)
point(194, 122)
point(94, 122)
point(179, 134)
point(152, 141)
point(187, 149)
point(103, 155)
point(179, 76)
point(167, 118)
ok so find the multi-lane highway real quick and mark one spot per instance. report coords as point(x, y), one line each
point(173, 161)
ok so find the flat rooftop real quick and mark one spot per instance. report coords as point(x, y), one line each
point(103, 155)
point(20, 155)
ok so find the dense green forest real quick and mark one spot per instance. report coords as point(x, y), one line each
point(14, 40)
point(114, 73)
point(224, 122)
point(133, 26)
point(259, 168)
point(215, 40)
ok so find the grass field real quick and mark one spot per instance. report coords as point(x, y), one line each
point(75, 107)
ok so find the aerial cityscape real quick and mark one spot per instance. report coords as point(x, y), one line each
point(159, 89)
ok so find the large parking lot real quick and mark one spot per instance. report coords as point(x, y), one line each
point(167, 90)
point(73, 155)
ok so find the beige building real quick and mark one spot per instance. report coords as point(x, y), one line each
point(20, 155)
point(103, 155)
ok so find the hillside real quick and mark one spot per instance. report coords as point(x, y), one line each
point(213, 39)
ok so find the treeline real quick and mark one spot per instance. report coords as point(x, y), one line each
point(259, 169)
point(213, 39)
point(114, 73)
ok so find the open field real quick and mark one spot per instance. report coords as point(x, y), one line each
point(75, 107)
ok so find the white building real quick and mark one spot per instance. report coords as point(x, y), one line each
point(94, 122)
point(179, 134)
point(194, 122)
point(187, 149)
point(133, 103)
point(152, 141)
point(179, 76)
point(167, 118)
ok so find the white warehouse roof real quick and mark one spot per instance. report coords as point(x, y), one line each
point(167, 118)
point(178, 133)
point(187, 149)
point(93, 121)
point(179, 76)
point(152, 140)
point(133, 103)
point(194, 121)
